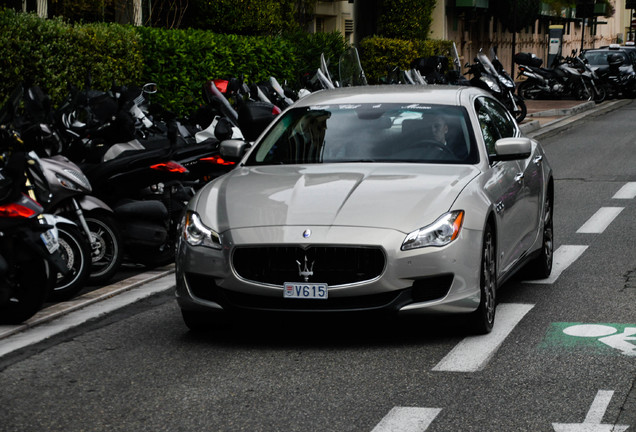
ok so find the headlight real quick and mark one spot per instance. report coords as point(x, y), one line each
point(440, 233)
point(490, 83)
point(197, 234)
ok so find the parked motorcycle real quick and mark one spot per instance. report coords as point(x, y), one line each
point(30, 256)
point(614, 80)
point(562, 81)
point(486, 76)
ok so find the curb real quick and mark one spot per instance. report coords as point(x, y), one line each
point(64, 308)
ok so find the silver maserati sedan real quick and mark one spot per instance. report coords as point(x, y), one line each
point(400, 199)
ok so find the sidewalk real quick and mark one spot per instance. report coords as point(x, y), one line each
point(544, 118)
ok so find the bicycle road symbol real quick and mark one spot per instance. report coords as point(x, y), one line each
point(624, 341)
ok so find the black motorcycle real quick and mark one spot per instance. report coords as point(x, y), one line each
point(568, 78)
point(616, 81)
point(30, 255)
point(485, 75)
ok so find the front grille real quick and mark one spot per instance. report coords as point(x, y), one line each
point(331, 265)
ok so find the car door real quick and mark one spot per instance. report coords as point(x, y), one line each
point(505, 184)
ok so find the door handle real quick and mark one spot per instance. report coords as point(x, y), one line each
point(519, 177)
point(538, 160)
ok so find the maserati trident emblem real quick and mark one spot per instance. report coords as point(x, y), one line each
point(307, 233)
point(305, 269)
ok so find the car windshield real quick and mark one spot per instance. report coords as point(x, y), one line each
point(417, 133)
point(599, 58)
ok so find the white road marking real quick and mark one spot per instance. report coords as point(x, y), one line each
point(600, 220)
point(628, 191)
point(564, 256)
point(474, 352)
point(407, 419)
point(44, 331)
point(594, 417)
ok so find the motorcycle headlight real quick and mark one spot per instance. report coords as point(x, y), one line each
point(507, 81)
point(197, 234)
point(440, 233)
point(492, 85)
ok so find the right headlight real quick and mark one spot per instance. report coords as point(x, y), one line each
point(440, 233)
point(197, 234)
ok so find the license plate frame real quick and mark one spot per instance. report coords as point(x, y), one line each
point(306, 290)
point(50, 241)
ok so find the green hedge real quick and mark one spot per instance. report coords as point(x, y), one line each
point(180, 61)
point(378, 54)
point(53, 54)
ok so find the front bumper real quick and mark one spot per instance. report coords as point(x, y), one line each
point(426, 280)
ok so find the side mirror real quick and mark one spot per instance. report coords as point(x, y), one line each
point(507, 149)
point(234, 149)
point(150, 88)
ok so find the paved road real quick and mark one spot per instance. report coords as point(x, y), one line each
point(562, 356)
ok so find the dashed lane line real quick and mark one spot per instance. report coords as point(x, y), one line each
point(407, 419)
point(600, 220)
point(628, 191)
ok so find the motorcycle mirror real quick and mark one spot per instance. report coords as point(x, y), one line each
point(150, 88)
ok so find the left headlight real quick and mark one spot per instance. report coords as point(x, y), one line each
point(197, 234)
point(440, 233)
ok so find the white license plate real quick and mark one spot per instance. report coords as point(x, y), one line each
point(49, 241)
point(304, 290)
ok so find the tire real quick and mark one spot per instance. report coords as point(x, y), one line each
point(482, 320)
point(599, 94)
point(76, 251)
point(30, 280)
point(520, 109)
point(529, 90)
point(584, 93)
point(106, 247)
point(541, 266)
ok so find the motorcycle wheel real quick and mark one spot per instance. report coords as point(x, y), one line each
point(106, 247)
point(599, 94)
point(76, 252)
point(581, 92)
point(519, 110)
point(30, 279)
point(529, 90)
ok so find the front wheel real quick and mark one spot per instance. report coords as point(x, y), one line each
point(106, 247)
point(519, 109)
point(483, 319)
point(76, 253)
point(599, 93)
point(541, 266)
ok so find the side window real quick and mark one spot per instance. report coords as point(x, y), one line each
point(488, 130)
point(495, 122)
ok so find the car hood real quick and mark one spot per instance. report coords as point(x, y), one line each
point(394, 196)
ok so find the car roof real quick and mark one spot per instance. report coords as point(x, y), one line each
point(433, 94)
